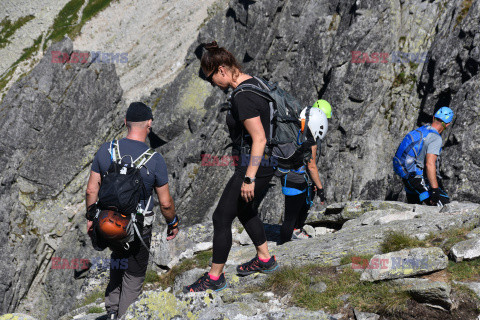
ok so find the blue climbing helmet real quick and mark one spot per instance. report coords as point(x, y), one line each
point(445, 114)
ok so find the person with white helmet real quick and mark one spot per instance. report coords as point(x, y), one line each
point(301, 184)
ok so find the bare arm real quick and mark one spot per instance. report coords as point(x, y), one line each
point(91, 195)
point(167, 207)
point(431, 166)
point(313, 169)
point(259, 141)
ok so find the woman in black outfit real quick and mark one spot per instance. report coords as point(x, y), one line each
point(247, 121)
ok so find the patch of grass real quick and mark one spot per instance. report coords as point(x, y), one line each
point(465, 290)
point(413, 65)
point(401, 41)
point(466, 4)
point(68, 22)
point(201, 260)
point(93, 7)
point(28, 52)
point(6, 78)
point(8, 28)
point(151, 276)
point(372, 297)
point(333, 22)
point(395, 241)
point(92, 297)
point(65, 20)
point(447, 239)
point(95, 310)
point(403, 78)
point(464, 270)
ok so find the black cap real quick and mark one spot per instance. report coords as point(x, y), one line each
point(138, 111)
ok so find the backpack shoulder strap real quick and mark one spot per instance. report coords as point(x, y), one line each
point(262, 90)
point(114, 151)
point(144, 157)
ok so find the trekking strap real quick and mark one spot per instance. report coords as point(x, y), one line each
point(140, 236)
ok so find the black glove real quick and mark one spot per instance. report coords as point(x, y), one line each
point(434, 196)
point(321, 194)
point(91, 212)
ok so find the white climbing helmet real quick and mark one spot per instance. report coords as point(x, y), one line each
point(317, 122)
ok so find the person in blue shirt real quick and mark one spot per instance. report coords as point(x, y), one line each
point(421, 182)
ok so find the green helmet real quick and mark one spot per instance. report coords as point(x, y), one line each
point(324, 106)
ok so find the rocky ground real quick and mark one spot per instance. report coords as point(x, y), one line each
point(425, 272)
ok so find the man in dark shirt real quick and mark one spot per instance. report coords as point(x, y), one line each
point(125, 285)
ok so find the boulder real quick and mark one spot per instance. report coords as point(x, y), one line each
point(466, 250)
point(405, 263)
point(365, 315)
point(188, 241)
point(475, 233)
point(435, 293)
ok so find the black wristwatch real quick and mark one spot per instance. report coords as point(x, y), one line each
point(248, 180)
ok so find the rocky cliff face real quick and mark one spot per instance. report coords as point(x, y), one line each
point(54, 119)
point(52, 122)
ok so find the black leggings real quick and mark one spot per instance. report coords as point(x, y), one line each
point(232, 205)
point(296, 212)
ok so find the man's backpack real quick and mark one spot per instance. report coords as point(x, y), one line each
point(121, 191)
point(405, 159)
point(285, 139)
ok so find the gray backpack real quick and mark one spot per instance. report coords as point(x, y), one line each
point(285, 139)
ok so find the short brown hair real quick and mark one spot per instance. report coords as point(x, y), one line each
point(214, 56)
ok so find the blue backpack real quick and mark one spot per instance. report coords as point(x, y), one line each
point(404, 161)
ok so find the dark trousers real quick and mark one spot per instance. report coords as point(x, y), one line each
point(296, 212)
point(125, 285)
point(417, 191)
point(232, 205)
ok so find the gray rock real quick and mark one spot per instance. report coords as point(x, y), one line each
point(466, 250)
point(404, 263)
point(319, 287)
point(474, 286)
point(16, 316)
point(323, 230)
point(244, 238)
point(365, 315)
point(188, 241)
point(436, 293)
point(475, 233)
point(57, 116)
point(209, 305)
point(339, 213)
point(309, 230)
point(455, 207)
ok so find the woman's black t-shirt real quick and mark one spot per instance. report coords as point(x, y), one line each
point(247, 105)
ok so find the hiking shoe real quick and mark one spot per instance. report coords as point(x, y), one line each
point(204, 283)
point(302, 235)
point(257, 265)
point(112, 315)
